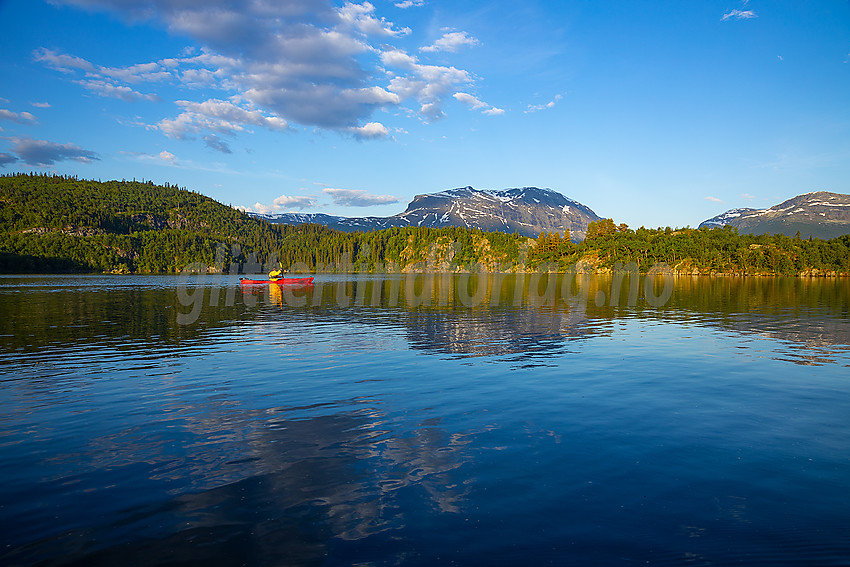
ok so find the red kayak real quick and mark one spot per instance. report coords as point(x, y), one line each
point(281, 281)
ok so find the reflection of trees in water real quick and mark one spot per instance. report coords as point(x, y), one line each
point(498, 332)
point(473, 315)
point(464, 314)
point(264, 486)
point(276, 485)
point(493, 315)
point(815, 340)
point(814, 313)
point(472, 291)
point(71, 318)
point(778, 295)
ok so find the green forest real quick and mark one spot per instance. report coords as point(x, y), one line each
point(705, 251)
point(52, 223)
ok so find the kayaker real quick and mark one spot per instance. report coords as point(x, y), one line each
point(274, 275)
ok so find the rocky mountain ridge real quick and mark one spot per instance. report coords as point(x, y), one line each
point(527, 211)
point(819, 214)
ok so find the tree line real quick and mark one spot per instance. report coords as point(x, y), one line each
point(51, 223)
point(710, 250)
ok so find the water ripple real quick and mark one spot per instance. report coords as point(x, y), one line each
point(712, 430)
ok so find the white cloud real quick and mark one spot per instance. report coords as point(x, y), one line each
point(310, 76)
point(40, 153)
point(739, 15)
point(470, 100)
point(62, 62)
point(398, 58)
point(299, 202)
point(258, 208)
point(357, 197)
point(370, 131)
point(106, 89)
point(360, 16)
point(41, 104)
point(371, 95)
point(410, 4)
point(546, 106)
point(451, 42)
point(229, 112)
point(102, 80)
point(142, 72)
point(713, 199)
point(747, 196)
point(19, 118)
point(308, 62)
point(477, 104)
point(427, 84)
point(218, 116)
point(201, 78)
point(168, 157)
point(432, 112)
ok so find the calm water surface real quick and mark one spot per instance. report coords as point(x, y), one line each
point(366, 422)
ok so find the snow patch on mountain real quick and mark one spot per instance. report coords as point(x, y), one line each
point(527, 211)
point(725, 218)
point(820, 214)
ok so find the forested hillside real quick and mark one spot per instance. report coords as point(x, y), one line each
point(705, 251)
point(55, 223)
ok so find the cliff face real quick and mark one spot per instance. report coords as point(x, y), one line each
point(528, 211)
point(442, 257)
point(820, 215)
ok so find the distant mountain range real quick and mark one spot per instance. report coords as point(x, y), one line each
point(527, 211)
point(819, 214)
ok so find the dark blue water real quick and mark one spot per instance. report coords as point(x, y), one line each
point(373, 427)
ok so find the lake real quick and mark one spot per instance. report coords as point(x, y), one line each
point(424, 420)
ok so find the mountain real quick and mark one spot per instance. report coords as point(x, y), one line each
point(300, 218)
point(726, 218)
point(51, 223)
point(820, 214)
point(345, 224)
point(528, 211)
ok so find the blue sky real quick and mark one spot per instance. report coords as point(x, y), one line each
point(652, 113)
